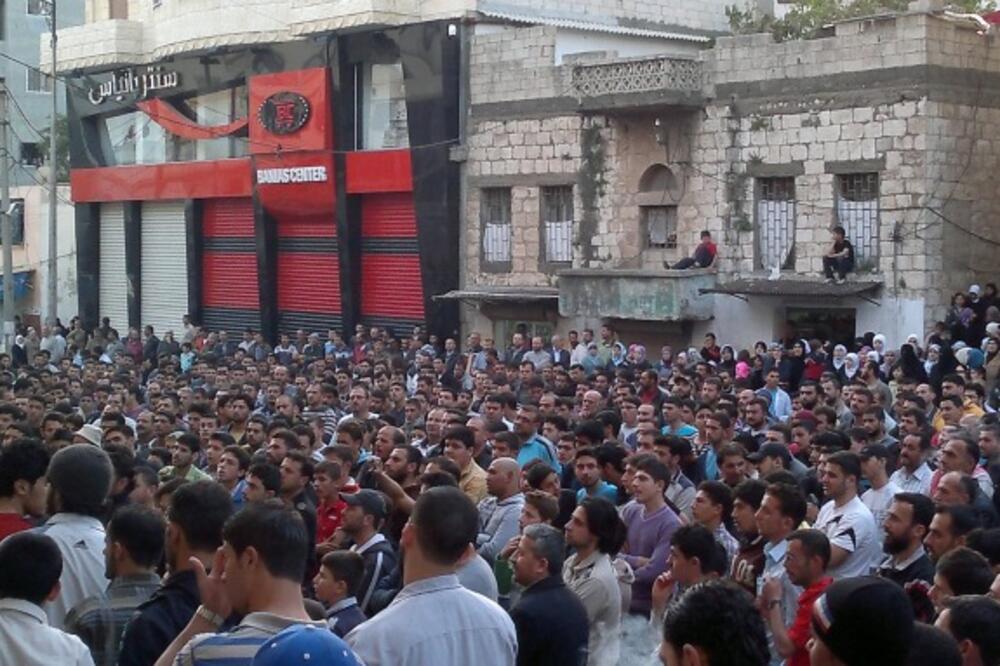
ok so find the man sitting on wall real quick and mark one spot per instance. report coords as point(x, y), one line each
point(704, 255)
point(840, 258)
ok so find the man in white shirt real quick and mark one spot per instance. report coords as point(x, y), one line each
point(30, 565)
point(80, 479)
point(877, 498)
point(846, 521)
point(914, 475)
point(467, 628)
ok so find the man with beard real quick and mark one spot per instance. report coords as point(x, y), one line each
point(399, 479)
point(809, 395)
point(906, 525)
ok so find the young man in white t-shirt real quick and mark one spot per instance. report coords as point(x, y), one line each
point(874, 459)
point(846, 521)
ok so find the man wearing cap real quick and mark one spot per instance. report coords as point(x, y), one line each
point(88, 434)
point(862, 621)
point(770, 458)
point(874, 458)
point(845, 519)
point(362, 519)
point(80, 480)
point(305, 645)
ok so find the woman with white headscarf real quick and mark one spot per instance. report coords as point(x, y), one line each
point(849, 369)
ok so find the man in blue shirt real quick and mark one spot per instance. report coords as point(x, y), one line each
point(780, 403)
point(673, 421)
point(588, 473)
point(533, 445)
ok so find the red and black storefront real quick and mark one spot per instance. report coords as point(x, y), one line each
point(299, 185)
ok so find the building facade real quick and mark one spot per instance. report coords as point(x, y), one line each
point(586, 173)
point(301, 170)
point(24, 26)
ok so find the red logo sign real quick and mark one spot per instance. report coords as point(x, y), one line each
point(284, 113)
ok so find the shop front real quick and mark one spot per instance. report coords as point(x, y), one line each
point(304, 185)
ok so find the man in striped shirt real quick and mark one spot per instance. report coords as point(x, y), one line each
point(135, 538)
point(263, 556)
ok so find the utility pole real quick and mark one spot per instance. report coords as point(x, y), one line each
point(53, 272)
point(7, 223)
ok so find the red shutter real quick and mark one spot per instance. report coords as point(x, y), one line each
point(308, 274)
point(230, 297)
point(392, 290)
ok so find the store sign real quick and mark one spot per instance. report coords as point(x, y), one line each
point(130, 84)
point(284, 113)
point(291, 175)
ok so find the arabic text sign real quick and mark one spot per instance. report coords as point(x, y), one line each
point(133, 84)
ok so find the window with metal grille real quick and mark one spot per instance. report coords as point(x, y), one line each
point(557, 224)
point(494, 214)
point(858, 213)
point(660, 224)
point(38, 82)
point(775, 223)
point(37, 7)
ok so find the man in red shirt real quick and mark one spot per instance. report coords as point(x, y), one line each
point(22, 485)
point(806, 562)
point(704, 255)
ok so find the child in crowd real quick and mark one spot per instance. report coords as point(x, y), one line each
point(337, 583)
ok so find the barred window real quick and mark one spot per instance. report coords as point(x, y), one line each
point(775, 222)
point(858, 213)
point(494, 214)
point(660, 225)
point(557, 224)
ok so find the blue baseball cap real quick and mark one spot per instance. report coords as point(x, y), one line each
point(305, 644)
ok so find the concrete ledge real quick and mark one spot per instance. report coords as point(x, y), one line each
point(637, 295)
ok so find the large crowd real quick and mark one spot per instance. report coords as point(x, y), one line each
point(397, 499)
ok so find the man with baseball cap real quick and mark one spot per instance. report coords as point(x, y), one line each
point(862, 621)
point(771, 458)
point(366, 511)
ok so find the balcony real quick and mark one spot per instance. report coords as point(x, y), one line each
point(637, 83)
point(637, 295)
point(316, 16)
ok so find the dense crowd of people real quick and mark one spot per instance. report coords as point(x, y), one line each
point(407, 500)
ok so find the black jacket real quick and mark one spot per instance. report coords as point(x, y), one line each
point(546, 610)
point(159, 619)
point(920, 569)
point(380, 561)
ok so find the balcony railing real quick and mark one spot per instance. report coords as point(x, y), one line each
point(637, 75)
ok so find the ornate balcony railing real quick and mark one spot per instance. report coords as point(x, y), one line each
point(637, 75)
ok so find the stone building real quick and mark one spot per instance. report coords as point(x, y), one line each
point(586, 171)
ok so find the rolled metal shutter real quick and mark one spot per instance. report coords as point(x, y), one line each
point(230, 294)
point(392, 291)
point(164, 274)
point(308, 274)
point(112, 279)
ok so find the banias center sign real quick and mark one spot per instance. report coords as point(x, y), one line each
point(288, 175)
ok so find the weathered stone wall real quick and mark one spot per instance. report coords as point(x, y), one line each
point(911, 98)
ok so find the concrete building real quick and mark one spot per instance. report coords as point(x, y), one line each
point(24, 27)
point(31, 251)
point(302, 168)
point(585, 172)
